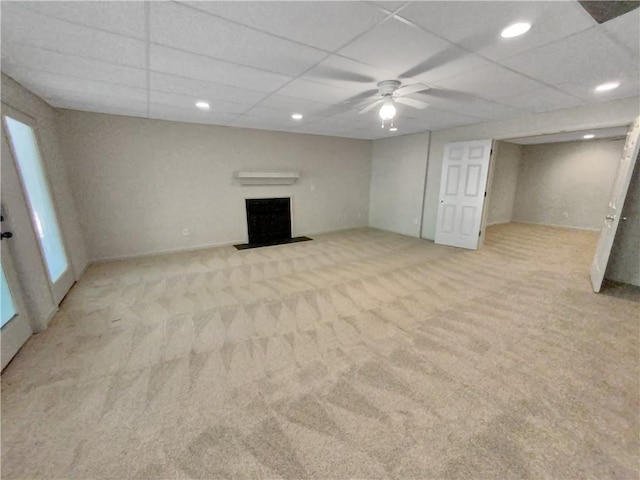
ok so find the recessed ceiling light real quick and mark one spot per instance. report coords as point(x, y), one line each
point(296, 116)
point(515, 30)
point(588, 136)
point(605, 87)
point(393, 129)
point(203, 105)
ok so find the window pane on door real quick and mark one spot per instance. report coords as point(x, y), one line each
point(27, 157)
point(7, 307)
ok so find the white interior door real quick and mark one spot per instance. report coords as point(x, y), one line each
point(22, 140)
point(16, 325)
point(463, 185)
point(618, 195)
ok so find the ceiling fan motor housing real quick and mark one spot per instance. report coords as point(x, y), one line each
point(387, 87)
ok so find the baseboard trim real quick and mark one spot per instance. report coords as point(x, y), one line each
point(154, 253)
point(568, 227)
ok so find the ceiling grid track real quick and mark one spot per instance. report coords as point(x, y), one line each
point(147, 46)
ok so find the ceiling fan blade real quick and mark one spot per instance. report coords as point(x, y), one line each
point(416, 87)
point(370, 107)
point(411, 102)
point(333, 73)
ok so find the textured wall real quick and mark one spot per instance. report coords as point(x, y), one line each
point(140, 182)
point(398, 169)
point(567, 184)
point(504, 182)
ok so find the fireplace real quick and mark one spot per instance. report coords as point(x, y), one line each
point(269, 222)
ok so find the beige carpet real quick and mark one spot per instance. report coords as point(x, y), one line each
point(362, 354)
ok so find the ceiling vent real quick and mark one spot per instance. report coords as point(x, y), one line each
point(604, 11)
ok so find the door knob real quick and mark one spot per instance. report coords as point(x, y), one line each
point(610, 217)
point(6, 235)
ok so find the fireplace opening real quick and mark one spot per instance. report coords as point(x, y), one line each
point(269, 222)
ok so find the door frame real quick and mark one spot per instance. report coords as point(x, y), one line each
point(9, 111)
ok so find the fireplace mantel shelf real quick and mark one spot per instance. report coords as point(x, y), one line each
point(267, 178)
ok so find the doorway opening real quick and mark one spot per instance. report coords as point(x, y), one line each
point(566, 180)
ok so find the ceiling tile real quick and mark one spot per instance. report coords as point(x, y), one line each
point(542, 99)
point(333, 130)
point(178, 114)
point(298, 105)
point(280, 116)
point(162, 82)
point(391, 6)
point(182, 27)
point(15, 55)
point(188, 102)
point(319, 92)
point(176, 62)
point(467, 104)
point(433, 119)
point(409, 51)
point(41, 82)
point(263, 123)
point(341, 21)
point(101, 105)
point(587, 58)
point(491, 83)
point(477, 25)
point(123, 18)
point(28, 28)
point(625, 30)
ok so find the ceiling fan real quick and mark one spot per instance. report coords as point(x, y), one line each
point(391, 93)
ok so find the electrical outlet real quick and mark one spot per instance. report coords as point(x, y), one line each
point(185, 232)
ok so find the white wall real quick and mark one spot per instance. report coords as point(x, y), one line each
point(24, 245)
point(624, 264)
point(617, 112)
point(139, 182)
point(502, 193)
point(398, 170)
point(567, 184)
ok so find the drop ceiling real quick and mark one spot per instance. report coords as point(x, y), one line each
point(256, 63)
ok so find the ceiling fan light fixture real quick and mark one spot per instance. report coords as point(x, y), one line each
point(388, 109)
point(515, 30)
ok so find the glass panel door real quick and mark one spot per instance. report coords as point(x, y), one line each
point(7, 307)
point(35, 185)
point(26, 155)
point(16, 324)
